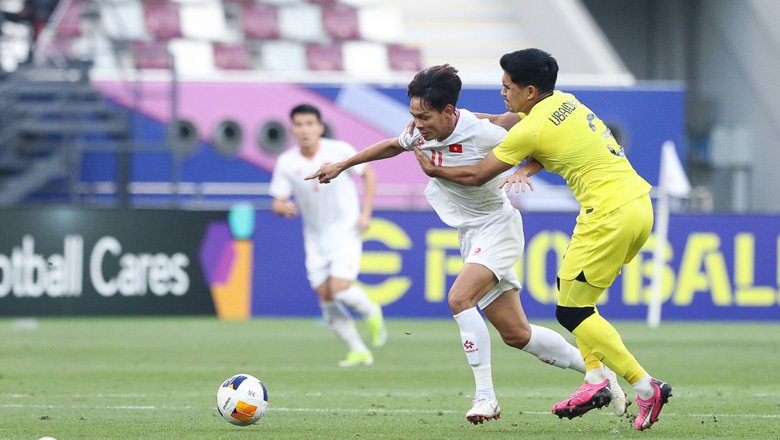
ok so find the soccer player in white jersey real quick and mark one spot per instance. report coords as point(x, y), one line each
point(490, 231)
point(332, 225)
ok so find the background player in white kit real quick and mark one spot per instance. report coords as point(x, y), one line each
point(490, 231)
point(332, 225)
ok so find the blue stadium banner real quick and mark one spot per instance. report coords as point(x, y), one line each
point(719, 267)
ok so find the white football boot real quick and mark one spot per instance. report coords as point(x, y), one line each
point(484, 408)
point(619, 400)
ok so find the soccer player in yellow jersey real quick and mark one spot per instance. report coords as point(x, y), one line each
point(552, 130)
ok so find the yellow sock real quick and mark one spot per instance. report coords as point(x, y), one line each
point(606, 344)
point(596, 338)
point(591, 362)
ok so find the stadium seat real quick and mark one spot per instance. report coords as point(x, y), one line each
point(404, 58)
point(151, 55)
point(162, 20)
point(70, 24)
point(380, 24)
point(301, 22)
point(192, 58)
point(232, 56)
point(341, 23)
point(123, 19)
point(324, 57)
point(283, 56)
point(204, 20)
point(363, 58)
point(260, 22)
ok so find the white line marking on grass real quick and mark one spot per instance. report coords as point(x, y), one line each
point(354, 410)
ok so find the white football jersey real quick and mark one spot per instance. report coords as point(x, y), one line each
point(329, 209)
point(458, 205)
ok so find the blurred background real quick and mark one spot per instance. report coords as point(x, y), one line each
point(131, 130)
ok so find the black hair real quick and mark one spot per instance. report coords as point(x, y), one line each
point(436, 87)
point(531, 67)
point(306, 109)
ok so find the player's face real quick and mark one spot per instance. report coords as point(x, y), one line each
point(307, 130)
point(515, 97)
point(431, 123)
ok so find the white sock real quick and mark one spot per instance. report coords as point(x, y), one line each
point(596, 375)
point(357, 299)
point(476, 344)
point(339, 320)
point(551, 348)
point(644, 388)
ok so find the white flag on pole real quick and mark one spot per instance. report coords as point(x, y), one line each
point(672, 182)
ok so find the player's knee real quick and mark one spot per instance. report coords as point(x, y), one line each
point(517, 337)
point(571, 317)
point(459, 302)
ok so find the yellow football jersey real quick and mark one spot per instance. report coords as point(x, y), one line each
point(569, 140)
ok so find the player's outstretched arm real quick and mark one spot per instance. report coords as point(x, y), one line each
point(470, 175)
point(378, 151)
point(521, 177)
point(505, 120)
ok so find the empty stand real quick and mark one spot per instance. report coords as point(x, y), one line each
point(404, 58)
point(151, 55)
point(302, 22)
point(162, 20)
point(283, 56)
point(341, 23)
point(363, 58)
point(260, 22)
point(323, 57)
point(232, 56)
point(203, 21)
point(123, 20)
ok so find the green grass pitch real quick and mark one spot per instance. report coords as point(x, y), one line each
point(150, 378)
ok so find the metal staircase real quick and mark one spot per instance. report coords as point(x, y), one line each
point(48, 118)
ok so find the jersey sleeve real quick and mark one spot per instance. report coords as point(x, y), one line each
point(280, 187)
point(519, 143)
point(490, 136)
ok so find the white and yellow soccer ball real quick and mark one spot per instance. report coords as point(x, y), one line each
point(242, 399)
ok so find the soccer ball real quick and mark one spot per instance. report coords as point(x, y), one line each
point(242, 399)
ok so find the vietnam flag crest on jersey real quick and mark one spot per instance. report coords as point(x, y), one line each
point(456, 148)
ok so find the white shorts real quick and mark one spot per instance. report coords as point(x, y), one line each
point(341, 260)
point(496, 244)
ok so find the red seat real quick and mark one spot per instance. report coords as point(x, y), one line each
point(341, 23)
point(70, 25)
point(404, 58)
point(151, 55)
point(162, 20)
point(260, 22)
point(232, 56)
point(324, 57)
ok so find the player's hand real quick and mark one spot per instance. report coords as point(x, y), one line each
point(363, 223)
point(519, 179)
point(288, 209)
point(326, 173)
point(425, 162)
point(410, 127)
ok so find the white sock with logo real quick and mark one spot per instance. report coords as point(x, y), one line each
point(357, 299)
point(340, 321)
point(551, 348)
point(475, 338)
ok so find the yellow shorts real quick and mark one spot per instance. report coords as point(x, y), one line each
point(602, 243)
